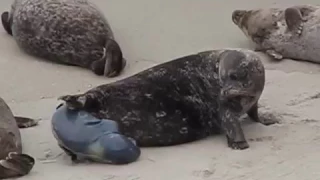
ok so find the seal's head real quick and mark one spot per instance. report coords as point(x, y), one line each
point(257, 24)
point(242, 76)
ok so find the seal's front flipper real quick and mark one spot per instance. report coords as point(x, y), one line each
point(294, 20)
point(114, 61)
point(254, 115)
point(275, 55)
point(24, 122)
point(232, 127)
point(16, 165)
point(6, 23)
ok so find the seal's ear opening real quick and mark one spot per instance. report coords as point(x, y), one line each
point(115, 62)
point(6, 23)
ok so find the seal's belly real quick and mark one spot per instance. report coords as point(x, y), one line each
point(161, 128)
point(306, 47)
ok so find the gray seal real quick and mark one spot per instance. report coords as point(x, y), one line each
point(72, 32)
point(291, 32)
point(13, 163)
point(183, 100)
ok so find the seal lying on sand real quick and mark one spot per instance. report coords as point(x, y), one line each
point(12, 162)
point(182, 100)
point(72, 32)
point(292, 32)
point(84, 137)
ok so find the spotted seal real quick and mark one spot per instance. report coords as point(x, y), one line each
point(291, 32)
point(72, 32)
point(182, 100)
point(13, 163)
point(84, 137)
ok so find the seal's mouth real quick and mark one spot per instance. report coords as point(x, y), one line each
point(234, 93)
point(237, 16)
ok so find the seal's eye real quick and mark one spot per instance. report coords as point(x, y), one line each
point(233, 76)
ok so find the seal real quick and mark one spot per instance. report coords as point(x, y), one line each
point(291, 32)
point(13, 163)
point(84, 137)
point(66, 32)
point(183, 100)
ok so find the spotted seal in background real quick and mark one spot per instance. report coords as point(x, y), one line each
point(182, 100)
point(13, 163)
point(72, 32)
point(292, 32)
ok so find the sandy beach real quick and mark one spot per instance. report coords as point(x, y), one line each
point(151, 32)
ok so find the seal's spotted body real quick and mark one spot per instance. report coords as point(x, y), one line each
point(71, 32)
point(12, 162)
point(182, 100)
point(291, 32)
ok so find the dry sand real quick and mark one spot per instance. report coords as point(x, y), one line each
point(151, 32)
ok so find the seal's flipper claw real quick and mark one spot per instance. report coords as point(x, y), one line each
point(238, 145)
point(115, 62)
point(275, 55)
point(24, 122)
point(6, 22)
point(16, 165)
point(294, 20)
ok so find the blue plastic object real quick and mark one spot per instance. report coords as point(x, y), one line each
point(82, 135)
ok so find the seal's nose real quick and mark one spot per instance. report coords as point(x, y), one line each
point(237, 16)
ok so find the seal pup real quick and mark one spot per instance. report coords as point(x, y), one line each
point(182, 100)
point(72, 32)
point(13, 163)
point(291, 32)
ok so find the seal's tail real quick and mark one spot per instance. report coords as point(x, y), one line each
point(112, 62)
point(24, 122)
point(16, 165)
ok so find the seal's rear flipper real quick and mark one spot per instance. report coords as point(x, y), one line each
point(275, 55)
point(75, 101)
point(80, 101)
point(24, 122)
point(16, 165)
point(6, 23)
point(114, 61)
point(294, 20)
point(74, 157)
